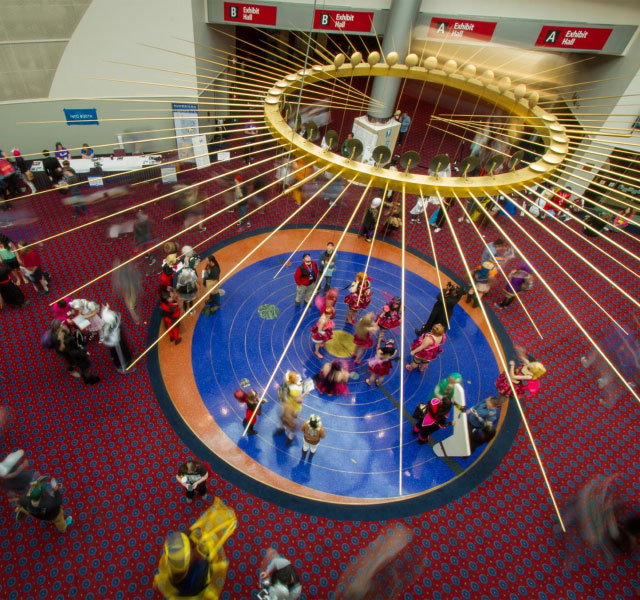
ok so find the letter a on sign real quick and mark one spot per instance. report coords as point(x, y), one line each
point(441, 28)
point(551, 36)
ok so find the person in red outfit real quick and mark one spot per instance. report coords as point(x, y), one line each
point(31, 266)
point(170, 314)
point(306, 275)
point(251, 400)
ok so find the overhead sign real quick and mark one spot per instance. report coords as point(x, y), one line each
point(253, 14)
point(575, 38)
point(343, 20)
point(81, 116)
point(462, 29)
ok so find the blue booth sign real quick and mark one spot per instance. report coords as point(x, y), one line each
point(81, 116)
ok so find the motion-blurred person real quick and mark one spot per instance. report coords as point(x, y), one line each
point(280, 578)
point(251, 401)
point(359, 296)
point(519, 280)
point(127, 283)
point(170, 312)
point(363, 336)
point(52, 167)
point(187, 283)
point(44, 504)
point(380, 365)
point(484, 276)
point(23, 169)
point(15, 475)
point(112, 337)
point(443, 308)
point(71, 345)
point(142, 235)
point(332, 379)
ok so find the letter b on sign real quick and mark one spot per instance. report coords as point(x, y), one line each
point(233, 12)
point(325, 19)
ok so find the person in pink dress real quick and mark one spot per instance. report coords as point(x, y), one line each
point(380, 364)
point(322, 331)
point(363, 337)
point(426, 348)
point(525, 379)
point(359, 296)
point(391, 316)
point(332, 379)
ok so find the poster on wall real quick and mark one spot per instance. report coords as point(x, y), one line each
point(185, 119)
point(200, 151)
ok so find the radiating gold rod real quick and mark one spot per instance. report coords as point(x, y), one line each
point(587, 98)
point(497, 263)
point(501, 358)
point(403, 295)
point(435, 258)
point(558, 265)
point(306, 306)
point(538, 74)
point(315, 225)
point(564, 308)
point(569, 85)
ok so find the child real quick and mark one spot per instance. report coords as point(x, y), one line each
point(362, 338)
point(251, 400)
point(380, 365)
point(323, 330)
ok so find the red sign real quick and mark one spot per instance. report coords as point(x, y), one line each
point(253, 14)
point(343, 20)
point(578, 38)
point(462, 29)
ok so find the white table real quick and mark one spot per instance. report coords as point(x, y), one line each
point(107, 164)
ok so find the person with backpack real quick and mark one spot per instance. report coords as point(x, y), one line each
point(426, 348)
point(187, 284)
point(280, 578)
point(44, 504)
point(431, 417)
point(305, 277)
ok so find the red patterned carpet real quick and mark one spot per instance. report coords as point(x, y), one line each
point(116, 455)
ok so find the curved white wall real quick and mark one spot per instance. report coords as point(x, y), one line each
point(114, 31)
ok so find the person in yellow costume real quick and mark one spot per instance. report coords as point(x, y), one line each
point(195, 566)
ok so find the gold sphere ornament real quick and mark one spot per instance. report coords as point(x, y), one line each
point(534, 98)
point(504, 83)
point(520, 90)
point(488, 76)
point(412, 60)
point(338, 60)
point(469, 71)
point(392, 58)
point(430, 62)
point(373, 58)
point(450, 66)
point(356, 59)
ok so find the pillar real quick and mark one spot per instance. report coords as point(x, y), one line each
point(397, 37)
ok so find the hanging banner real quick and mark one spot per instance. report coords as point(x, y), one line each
point(253, 14)
point(462, 29)
point(81, 116)
point(185, 119)
point(574, 38)
point(343, 20)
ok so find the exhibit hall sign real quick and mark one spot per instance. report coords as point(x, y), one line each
point(462, 29)
point(574, 38)
point(343, 20)
point(252, 14)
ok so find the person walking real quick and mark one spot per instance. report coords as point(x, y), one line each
point(442, 308)
point(187, 283)
point(370, 220)
point(44, 504)
point(380, 365)
point(332, 379)
point(363, 336)
point(305, 277)
point(328, 261)
point(313, 432)
point(126, 281)
point(519, 280)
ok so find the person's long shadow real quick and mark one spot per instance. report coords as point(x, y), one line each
point(301, 473)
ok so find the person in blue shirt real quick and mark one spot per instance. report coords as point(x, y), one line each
point(405, 121)
point(87, 152)
point(486, 411)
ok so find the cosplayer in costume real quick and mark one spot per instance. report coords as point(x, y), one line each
point(363, 338)
point(359, 296)
point(195, 566)
point(380, 364)
point(525, 379)
point(391, 315)
point(322, 331)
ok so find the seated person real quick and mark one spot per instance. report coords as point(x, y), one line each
point(87, 152)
